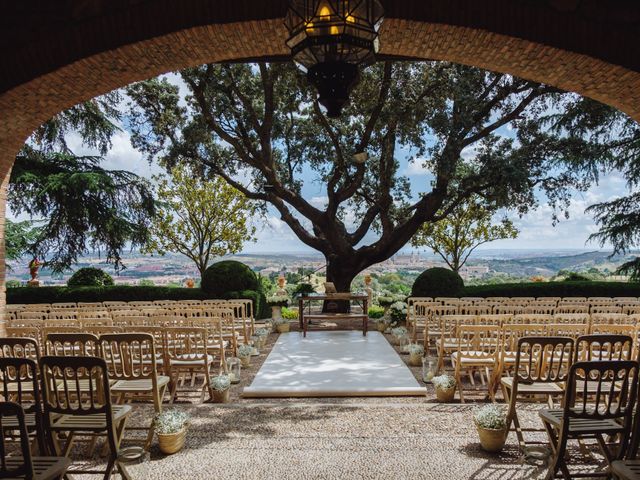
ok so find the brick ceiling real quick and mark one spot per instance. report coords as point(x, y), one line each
point(40, 36)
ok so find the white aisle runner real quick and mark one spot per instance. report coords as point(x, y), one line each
point(333, 364)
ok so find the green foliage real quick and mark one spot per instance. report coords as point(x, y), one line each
point(229, 276)
point(303, 289)
point(19, 237)
point(13, 284)
point(90, 277)
point(376, 312)
point(145, 282)
point(437, 282)
point(199, 218)
point(465, 228)
point(84, 206)
point(289, 314)
point(576, 277)
point(554, 289)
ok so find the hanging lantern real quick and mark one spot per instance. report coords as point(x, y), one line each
point(330, 39)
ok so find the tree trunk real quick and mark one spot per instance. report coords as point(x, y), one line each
point(341, 272)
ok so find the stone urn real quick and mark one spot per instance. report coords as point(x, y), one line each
point(276, 312)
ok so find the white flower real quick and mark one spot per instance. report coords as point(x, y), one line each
point(220, 383)
point(245, 350)
point(491, 416)
point(443, 382)
point(415, 349)
point(171, 421)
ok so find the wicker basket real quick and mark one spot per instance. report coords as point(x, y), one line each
point(221, 397)
point(381, 327)
point(170, 443)
point(445, 395)
point(491, 440)
point(415, 359)
point(283, 328)
point(246, 361)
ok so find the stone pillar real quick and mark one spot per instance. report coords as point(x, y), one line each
point(6, 174)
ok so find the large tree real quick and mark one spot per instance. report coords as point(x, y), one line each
point(77, 204)
point(260, 127)
point(467, 226)
point(200, 219)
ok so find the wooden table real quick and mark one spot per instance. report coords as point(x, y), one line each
point(358, 298)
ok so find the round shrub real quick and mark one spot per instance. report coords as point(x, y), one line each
point(229, 276)
point(437, 282)
point(90, 277)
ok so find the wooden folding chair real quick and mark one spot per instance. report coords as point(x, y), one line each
point(20, 347)
point(72, 344)
point(131, 360)
point(447, 343)
point(605, 412)
point(478, 347)
point(19, 381)
point(541, 369)
point(73, 411)
point(12, 417)
point(187, 355)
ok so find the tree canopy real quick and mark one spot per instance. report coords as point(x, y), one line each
point(77, 203)
point(200, 219)
point(469, 225)
point(260, 127)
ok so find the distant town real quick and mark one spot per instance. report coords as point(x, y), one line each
point(488, 266)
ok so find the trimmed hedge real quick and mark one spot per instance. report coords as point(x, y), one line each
point(229, 276)
point(437, 282)
point(90, 277)
point(127, 293)
point(554, 289)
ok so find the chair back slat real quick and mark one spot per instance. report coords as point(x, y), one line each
point(543, 359)
point(13, 411)
point(603, 347)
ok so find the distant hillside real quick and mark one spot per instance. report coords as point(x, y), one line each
point(547, 266)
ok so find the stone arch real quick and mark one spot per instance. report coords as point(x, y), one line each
point(25, 106)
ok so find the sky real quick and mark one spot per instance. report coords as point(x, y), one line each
point(536, 229)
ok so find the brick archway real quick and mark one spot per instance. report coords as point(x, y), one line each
point(26, 106)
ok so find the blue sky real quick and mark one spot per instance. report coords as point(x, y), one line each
point(536, 229)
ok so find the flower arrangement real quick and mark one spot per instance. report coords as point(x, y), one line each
point(221, 382)
point(398, 312)
point(415, 349)
point(171, 421)
point(491, 417)
point(444, 382)
point(279, 321)
point(491, 423)
point(278, 300)
point(245, 350)
point(262, 332)
point(399, 332)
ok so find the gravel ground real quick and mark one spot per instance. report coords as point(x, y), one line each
point(334, 438)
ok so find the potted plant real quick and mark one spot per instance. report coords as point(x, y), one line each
point(491, 423)
point(220, 385)
point(281, 324)
point(303, 289)
point(398, 334)
point(445, 386)
point(382, 324)
point(171, 428)
point(262, 334)
point(276, 302)
point(244, 354)
point(416, 351)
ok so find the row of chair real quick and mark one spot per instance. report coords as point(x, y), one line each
point(595, 379)
point(426, 308)
point(620, 301)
